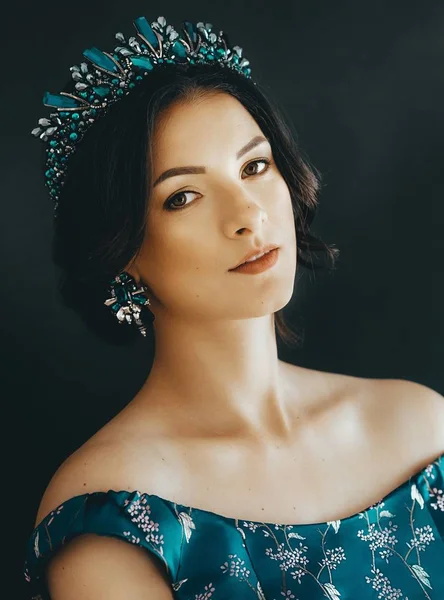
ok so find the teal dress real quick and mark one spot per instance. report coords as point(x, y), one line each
point(394, 549)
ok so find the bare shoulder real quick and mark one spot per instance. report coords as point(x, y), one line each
point(98, 466)
point(80, 473)
point(415, 407)
point(95, 565)
point(407, 415)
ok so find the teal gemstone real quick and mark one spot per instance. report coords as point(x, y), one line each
point(49, 173)
point(139, 78)
point(144, 28)
point(91, 98)
point(75, 116)
point(64, 114)
point(73, 126)
point(220, 52)
point(139, 299)
point(180, 51)
point(101, 90)
point(59, 101)
point(210, 56)
point(83, 94)
point(132, 85)
point(73, 136)
point(189, 28)
point(100, 60)
point(121, 294)
point(203, 50)
point(120, 92)
point(115, 81)
point(142, 62)
point(53, 143)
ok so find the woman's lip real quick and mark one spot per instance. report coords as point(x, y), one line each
point(264, 250)
point(259, 265)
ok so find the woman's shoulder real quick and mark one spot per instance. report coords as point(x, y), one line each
point(83, 472)
point(96, 491)
point(101, 464)
point(393, 417)
point(406, 417)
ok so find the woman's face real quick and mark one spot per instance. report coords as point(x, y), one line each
point(202, 224)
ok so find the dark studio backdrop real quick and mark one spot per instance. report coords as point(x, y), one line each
point(363, 85)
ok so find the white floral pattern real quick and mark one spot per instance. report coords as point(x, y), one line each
point(394, 550)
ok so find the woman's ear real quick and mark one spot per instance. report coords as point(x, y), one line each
point(132, 270)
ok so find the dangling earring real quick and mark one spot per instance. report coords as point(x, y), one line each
point(127, 300)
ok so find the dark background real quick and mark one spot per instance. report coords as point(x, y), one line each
point(363, 84)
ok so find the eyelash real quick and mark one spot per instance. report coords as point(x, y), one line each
point(168, 202)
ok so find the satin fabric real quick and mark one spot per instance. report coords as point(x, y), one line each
point(392, 550)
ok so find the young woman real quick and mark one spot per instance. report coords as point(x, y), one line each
point(231, 474)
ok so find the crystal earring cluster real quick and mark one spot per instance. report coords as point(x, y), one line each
point(127, 300)
point(109, 76)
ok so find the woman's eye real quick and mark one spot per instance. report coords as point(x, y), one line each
point(170, 203)
point(265, 161)
point(170, 206)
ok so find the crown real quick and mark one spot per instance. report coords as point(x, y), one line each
point(109, 76)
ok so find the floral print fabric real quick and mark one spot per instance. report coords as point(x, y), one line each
point(393, 550)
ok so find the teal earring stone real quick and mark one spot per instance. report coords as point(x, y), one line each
point(127, 300)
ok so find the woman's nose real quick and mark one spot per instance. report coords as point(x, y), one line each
point(243, 211)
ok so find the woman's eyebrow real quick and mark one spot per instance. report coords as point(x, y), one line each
point(174, 171)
